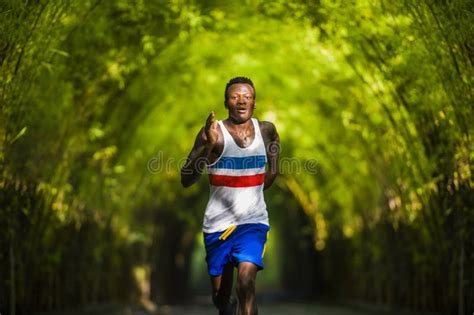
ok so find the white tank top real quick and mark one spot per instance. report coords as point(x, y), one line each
point(236, 184)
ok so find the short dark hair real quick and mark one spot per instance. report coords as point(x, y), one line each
point(239, 80)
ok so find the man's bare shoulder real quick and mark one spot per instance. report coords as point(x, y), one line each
point(267, 128)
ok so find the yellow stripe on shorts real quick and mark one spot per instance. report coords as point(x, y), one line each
point(265, 246)
point(227, 232)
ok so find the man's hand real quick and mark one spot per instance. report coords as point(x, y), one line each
point(211, 129)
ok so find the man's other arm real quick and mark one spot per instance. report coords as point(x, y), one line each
point(273, 153)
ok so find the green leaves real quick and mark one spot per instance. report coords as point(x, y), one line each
point(101, 102)
point(19, 135)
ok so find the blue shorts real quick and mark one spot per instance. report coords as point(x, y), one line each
point(239, 243)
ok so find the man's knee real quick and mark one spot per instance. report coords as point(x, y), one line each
point(246, 282)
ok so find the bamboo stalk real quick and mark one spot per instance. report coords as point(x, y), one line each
point(12, 280)
point(461, 277)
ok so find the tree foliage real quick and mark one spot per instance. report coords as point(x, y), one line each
point(101, 101)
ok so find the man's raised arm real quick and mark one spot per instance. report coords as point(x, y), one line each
point(199, 156)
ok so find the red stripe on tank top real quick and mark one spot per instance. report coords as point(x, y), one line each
point(237, 181)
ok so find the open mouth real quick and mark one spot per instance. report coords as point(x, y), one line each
point(241, 110)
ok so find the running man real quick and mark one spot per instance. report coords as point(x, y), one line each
point(236, 152)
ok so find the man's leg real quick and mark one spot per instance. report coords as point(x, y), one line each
point(222, 288)
point(247, 275)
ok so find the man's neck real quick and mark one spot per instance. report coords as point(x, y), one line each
point(237, 123)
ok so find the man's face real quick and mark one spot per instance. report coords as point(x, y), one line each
point(240, 102)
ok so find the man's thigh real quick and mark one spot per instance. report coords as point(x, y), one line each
point(249, 244)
